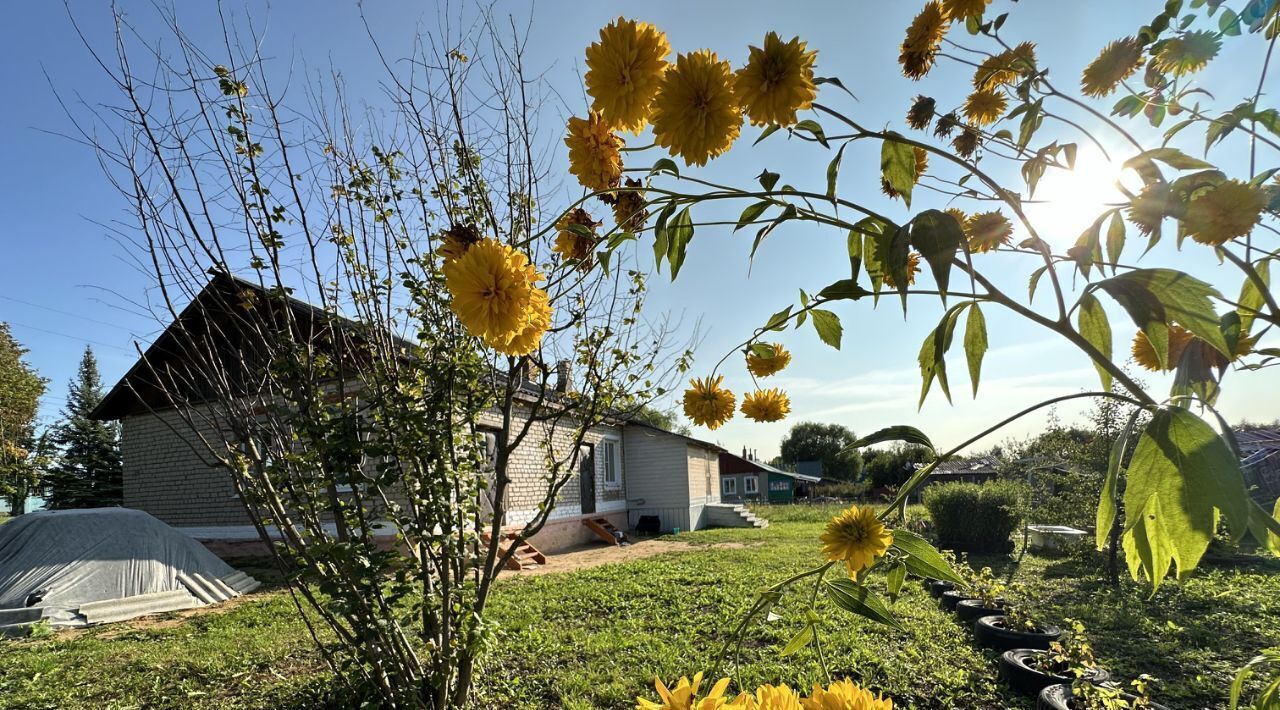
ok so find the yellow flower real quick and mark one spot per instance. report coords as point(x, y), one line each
point(1145, 355)
point(624, 70)
point(628, 207)
point(1150, 207)
point(1004, 69)
point(1188, 53)
point(924, 36)
point(769, 405)
point(455, 240)
point(922, 164)
point(707, 403)
point(985, 107)
point(961, 9)
point(777, 81)
point(775, 697)
point(1224, 212)
point(695, 114)
point(921, 112)
point(594, 152)
point(913, 268)
point(845, 695)
point(529, 337)
point(492, 285)
point(856, 537)
point(987, 231)
point(1114, 64)
point(958, 215)
point(571, 244)
point(765, 366)
point(685, 695)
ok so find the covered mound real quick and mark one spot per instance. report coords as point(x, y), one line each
point(105, 564)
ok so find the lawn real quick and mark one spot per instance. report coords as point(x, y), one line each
point(596, 637)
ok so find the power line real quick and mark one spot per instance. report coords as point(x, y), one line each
point(51, 309)
point(72, 337)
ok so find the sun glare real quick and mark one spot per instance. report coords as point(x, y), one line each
point(1066, 202)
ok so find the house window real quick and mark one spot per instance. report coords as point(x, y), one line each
point(749, 485)
point(612, 463)
point(729, 486)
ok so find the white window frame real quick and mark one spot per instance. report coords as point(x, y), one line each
point(750, 485)
point(610, 450)
point(729, 486)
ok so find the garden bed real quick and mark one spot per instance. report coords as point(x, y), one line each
point(596, 637)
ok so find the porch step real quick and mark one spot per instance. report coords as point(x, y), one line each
point(526, 556)
point(734, 516)
point(603, 529)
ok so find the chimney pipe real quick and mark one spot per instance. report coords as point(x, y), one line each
point(564, 382)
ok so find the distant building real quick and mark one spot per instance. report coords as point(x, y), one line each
point(745, 479)
point(978, 469)
point(1260, 461)
point(810, 468)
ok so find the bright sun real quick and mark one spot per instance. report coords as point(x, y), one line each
point(1066, 202)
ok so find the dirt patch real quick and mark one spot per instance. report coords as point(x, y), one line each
point(589, 556)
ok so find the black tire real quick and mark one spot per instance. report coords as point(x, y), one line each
point(953, 597)
point(1019, 675)
point(991, 632)
point(938, 586)
point(1057, 697)
point(974, 609)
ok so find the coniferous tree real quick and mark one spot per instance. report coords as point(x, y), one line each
point(88, 473)
point(20, 391)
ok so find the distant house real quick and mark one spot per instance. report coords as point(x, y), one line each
point(977, 469)
point(1260, 461)
point(813, 469)
point(745, 479)
point(628, 469)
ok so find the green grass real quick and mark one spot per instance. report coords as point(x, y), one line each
point(596, 638)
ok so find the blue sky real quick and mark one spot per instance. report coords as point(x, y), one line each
point(65, 282)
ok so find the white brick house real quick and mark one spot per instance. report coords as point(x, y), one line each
point(628, 468)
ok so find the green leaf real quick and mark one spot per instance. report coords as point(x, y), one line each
point(855, 255)
point(1181, 475)
point(898, 166)
point(854, 597)
point(770, 130)
point(799, 641)
point(1265, 528)
point(1106, 515)
point(975, 343)
point(811, 126)
point(828, 326)
point(833, 172)
point(1156, 297)
point(1251, 297)
point(894, 578)
point(1035, 281)
point(679, 234)
point(819, 80)
point(1096, 329)
point(660, 242)
point(768, 180)
point(933, 350)
point(1172, 157)
point(900, 432)
point(1115, 239)
point(750, 214)
point(778, 321)
point(844, 289)
point(922, 559)
point(937, 236)
point(665, 165)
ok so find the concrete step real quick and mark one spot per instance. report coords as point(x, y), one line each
point(20, 615)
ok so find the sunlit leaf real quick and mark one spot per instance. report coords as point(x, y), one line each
point(828, 326)
point(898, 166)
point(799, 641)
point(922, 559)
point(1156, 297)
point(1096, 329)
point(975, 343)
point(894, 578)
point(679, 234)
point(900, 432)
point(853, 597)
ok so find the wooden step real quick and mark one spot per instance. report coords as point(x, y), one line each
point(603, 529)
point(526, 556)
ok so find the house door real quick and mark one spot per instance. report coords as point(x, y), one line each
point(587, 478)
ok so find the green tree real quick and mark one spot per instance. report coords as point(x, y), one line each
point(667, 419)
point(20, 391)
point(828, 443)
point(89, 471)
point(893, 466)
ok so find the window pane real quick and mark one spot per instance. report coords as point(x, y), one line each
point(610, 462)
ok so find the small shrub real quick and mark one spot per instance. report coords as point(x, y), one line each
point(843, 490)
point(976, 518)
